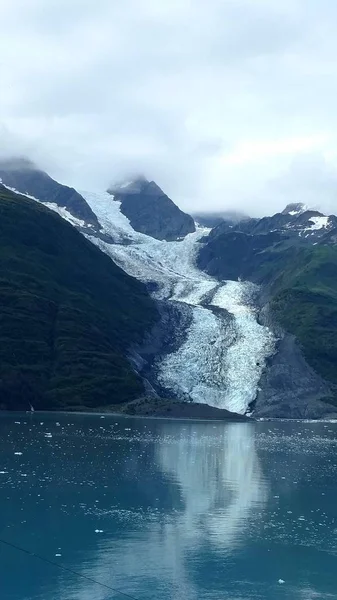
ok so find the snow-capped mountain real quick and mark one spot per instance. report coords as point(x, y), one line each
point(213, 344)
point(296, 220)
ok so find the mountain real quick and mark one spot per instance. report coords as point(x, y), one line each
point(250, 249)
point(296, 220)
point(23, 176)
point(293, 257)
point(150, 211)
point(68, 314)
point(242, 318)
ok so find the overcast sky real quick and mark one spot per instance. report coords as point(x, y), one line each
point(225, 103)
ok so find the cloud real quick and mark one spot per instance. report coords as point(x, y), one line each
point(215, 101)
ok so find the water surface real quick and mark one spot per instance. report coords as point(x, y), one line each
point(167, 509)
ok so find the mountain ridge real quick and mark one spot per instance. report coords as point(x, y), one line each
point(25, 177)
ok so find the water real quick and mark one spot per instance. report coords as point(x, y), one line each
point(167, 509)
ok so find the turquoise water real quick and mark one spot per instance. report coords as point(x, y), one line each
point(167, 509)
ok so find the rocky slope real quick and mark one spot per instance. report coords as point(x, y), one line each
point(68, 314)
point(150, 211)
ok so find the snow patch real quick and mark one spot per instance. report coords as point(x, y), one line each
point(319, 223)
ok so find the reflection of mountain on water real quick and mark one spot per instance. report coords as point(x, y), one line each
point(214, 482)
point(220, 480)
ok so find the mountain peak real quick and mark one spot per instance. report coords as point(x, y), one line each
point(296, 208)
point(133, 185)
point(17, 163)
point(138, 185)
point(150, 210)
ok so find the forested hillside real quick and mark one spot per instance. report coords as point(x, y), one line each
point(68, 314)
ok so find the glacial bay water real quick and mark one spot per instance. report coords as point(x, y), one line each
point(167, 510)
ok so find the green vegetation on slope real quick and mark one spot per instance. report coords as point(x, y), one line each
point(305, 303)
point(67, 314)
point(301, 279)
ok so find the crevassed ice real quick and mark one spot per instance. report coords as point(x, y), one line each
point(221, 360)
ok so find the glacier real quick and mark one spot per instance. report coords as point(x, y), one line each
point(224, 350)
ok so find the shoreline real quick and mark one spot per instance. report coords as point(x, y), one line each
point(174, 410)
point(155, 408)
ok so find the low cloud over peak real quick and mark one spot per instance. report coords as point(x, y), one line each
point(226, 105)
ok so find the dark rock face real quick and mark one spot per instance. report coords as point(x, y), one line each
point(151, 212)
point(236, 254)
point(26, 178)
point(290, 389)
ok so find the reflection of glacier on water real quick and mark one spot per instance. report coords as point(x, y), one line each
point(223, 354)
point(213, 484)
point(220, 481)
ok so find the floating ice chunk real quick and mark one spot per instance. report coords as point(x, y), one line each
point(98, 530)
point(18, 453)
point(58, 554)
point(281, 581)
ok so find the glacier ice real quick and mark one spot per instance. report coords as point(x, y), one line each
point(224, 350)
